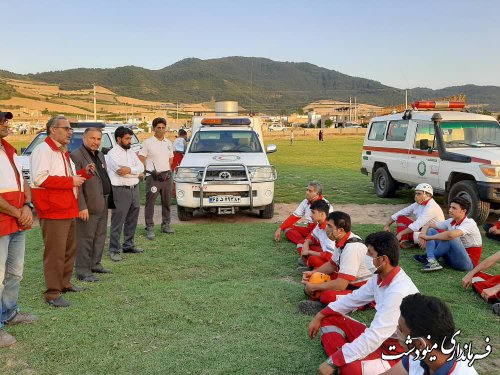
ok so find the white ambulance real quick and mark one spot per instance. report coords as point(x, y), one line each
point(458, 153)
point(225, 166)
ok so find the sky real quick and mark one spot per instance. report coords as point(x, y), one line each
point(404, 44)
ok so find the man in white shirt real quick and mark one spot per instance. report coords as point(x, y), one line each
point(124, 170)
point(157, 155)
point(425, 209)
point(459, 243)
point(352, 347)
point(347, 267)
point(428, 323)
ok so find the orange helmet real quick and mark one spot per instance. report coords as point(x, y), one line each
point(318, 278)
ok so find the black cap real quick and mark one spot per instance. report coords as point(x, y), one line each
point(7, 115)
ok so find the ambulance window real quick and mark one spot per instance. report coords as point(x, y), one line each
point(397, 130)
point(425, 131)
point(377, 131)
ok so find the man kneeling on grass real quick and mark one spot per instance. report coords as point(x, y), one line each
point(317, 249)
point(347, 267)
point(353, 348)
point(427, 321)
point(460, 244)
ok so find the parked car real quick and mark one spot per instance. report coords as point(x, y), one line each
point(107, 143)
point(457, 153)
point(277, 128)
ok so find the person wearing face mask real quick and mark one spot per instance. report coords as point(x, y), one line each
point(347, 267)
point(425, 210)
point(351, 347)
point(423, 317)
point(296, 233)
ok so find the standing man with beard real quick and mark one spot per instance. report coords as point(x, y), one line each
point(55, 184)
point(157, 155)
point(124, 170)
point(93, 202)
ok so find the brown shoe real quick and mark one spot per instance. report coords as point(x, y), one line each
point(6, 339)
point(58, 302)
point(22, 319)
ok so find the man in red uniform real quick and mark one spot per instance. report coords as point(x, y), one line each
point(55, 184)
point(15, 218)
point(296, 233)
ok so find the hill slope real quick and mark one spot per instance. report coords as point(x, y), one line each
point(258, 83)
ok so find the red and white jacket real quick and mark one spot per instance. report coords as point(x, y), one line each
point(11, 187)
point(52, 171)
point(303, 211)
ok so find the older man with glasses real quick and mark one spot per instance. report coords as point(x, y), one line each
point(55, 188)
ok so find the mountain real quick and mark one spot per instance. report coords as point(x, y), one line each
point(262, 84)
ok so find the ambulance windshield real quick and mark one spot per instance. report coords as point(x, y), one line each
point(225, 141)
point(460, 134)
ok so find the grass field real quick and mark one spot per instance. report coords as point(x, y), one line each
point(218, 298)
point(223, 304)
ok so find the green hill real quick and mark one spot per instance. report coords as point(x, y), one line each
point(262, 84)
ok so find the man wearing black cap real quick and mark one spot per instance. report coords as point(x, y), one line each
point(15, 218)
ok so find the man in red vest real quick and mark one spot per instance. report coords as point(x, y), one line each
point(15, 218)
point(55, 184)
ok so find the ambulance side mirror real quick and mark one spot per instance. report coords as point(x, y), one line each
point(424, 144)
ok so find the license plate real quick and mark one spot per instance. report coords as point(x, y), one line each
point(224, 199)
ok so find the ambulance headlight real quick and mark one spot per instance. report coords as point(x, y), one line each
point(491, 171)
point(262, 174)
point(190, 175)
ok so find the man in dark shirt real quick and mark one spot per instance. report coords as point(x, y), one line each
point(94, 199)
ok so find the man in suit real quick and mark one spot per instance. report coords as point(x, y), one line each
point(95, 197)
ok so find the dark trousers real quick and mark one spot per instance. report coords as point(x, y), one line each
point(59, 238)
point(486, 228)
point(153, 188)
point(91, 236)
point(124, 218)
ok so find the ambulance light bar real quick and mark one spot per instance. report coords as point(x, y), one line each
point(432, 104)
point(226, 121)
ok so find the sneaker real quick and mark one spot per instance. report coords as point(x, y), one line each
point(102, 270)
point(301, 262)
point(58, 302)
point(304, 269)
point(405, 244)
point(432, 265)
point(6, 339)
point(166, 229)
point(74, 289)
point(115, 257)
point(496, 308)
point(22, 319)
point(420, 258)
point(310, 307)
point(150, 235)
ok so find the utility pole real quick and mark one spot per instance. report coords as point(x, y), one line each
point(350, 103)
point(95, 106)
point(177, 115)
point(355, 111)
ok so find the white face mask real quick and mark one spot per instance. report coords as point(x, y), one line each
point(369, 264)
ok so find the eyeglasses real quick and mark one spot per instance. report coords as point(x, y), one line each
point(4, 121)
point(67, 128)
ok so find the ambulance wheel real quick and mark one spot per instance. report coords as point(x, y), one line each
point(268, 211)
point(184, 214)
point(479, 210)
point(384, 184)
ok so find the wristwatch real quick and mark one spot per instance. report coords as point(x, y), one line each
point(29, 204)
point(329, 361)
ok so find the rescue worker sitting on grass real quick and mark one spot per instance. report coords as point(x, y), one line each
point(425, 209)
point(460, 243)
point(428, 322)
point(317, 249)
point(347, 267)
point(487, 285)
point(296, 233)
point(352, 347)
